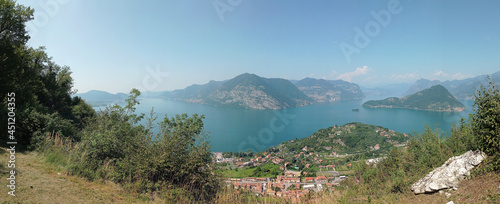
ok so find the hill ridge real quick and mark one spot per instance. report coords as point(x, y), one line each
point(435, 98)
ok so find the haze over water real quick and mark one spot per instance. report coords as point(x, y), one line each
point(234, 129)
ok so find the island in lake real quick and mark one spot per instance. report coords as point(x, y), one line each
point(435, 98)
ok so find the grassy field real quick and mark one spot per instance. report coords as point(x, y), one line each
point(239, 173)
point(263, 171)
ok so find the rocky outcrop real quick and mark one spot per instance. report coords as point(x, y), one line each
point(449, 175)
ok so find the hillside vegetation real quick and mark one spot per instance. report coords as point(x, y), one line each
point(348, 139)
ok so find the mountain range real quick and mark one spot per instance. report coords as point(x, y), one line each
point(252, 91)
point(322, 90)
point(102, 98)
point(461, 89)
point(255, 92)
point(397, 90)
point(435, 98)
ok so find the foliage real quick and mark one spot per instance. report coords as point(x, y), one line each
point(43, 102)
point(108, 145)
point(462, 138)
point(114, 146)
point(349, 138)
point(485, 122)
point(404, 166)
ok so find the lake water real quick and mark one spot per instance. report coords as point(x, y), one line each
point(233, 129)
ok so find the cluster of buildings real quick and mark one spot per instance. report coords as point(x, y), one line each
point(292, 184)
point(219, 158)
point(287, 185)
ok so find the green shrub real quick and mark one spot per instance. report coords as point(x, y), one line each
point(485, 122)
point(115, 147)
point(462, 139)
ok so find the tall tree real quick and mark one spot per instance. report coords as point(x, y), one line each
point(485, 121)
point(42, 88)
point(13, 37)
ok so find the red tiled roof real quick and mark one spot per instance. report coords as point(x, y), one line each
point(321, 178)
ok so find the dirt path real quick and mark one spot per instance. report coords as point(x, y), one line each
point(38, 182)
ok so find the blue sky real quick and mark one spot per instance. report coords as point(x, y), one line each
point(118, 45)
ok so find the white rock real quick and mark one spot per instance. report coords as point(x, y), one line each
point(451, 202)
point(449, 174)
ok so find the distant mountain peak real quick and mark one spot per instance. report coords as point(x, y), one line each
point(98, 98)
point(245, 90)
point(322, 90)
point(460, 88)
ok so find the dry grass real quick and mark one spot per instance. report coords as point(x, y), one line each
point(38, 182)
point(481, 189)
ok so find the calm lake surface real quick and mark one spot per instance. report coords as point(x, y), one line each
point(233, 129)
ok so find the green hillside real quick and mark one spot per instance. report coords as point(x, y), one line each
point(347, 139)
point(436, 98)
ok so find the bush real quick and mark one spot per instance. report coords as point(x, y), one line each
point(113, 146)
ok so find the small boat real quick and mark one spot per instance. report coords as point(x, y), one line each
point(356, 109)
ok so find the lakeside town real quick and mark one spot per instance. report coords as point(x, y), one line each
point(308, 165)
point(291, 183)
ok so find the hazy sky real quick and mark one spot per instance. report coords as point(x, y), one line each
point(115, 45)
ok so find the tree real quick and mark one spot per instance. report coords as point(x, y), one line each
point(13, 16)
point(485, 121)
point(13, 37)
point(42, 88)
